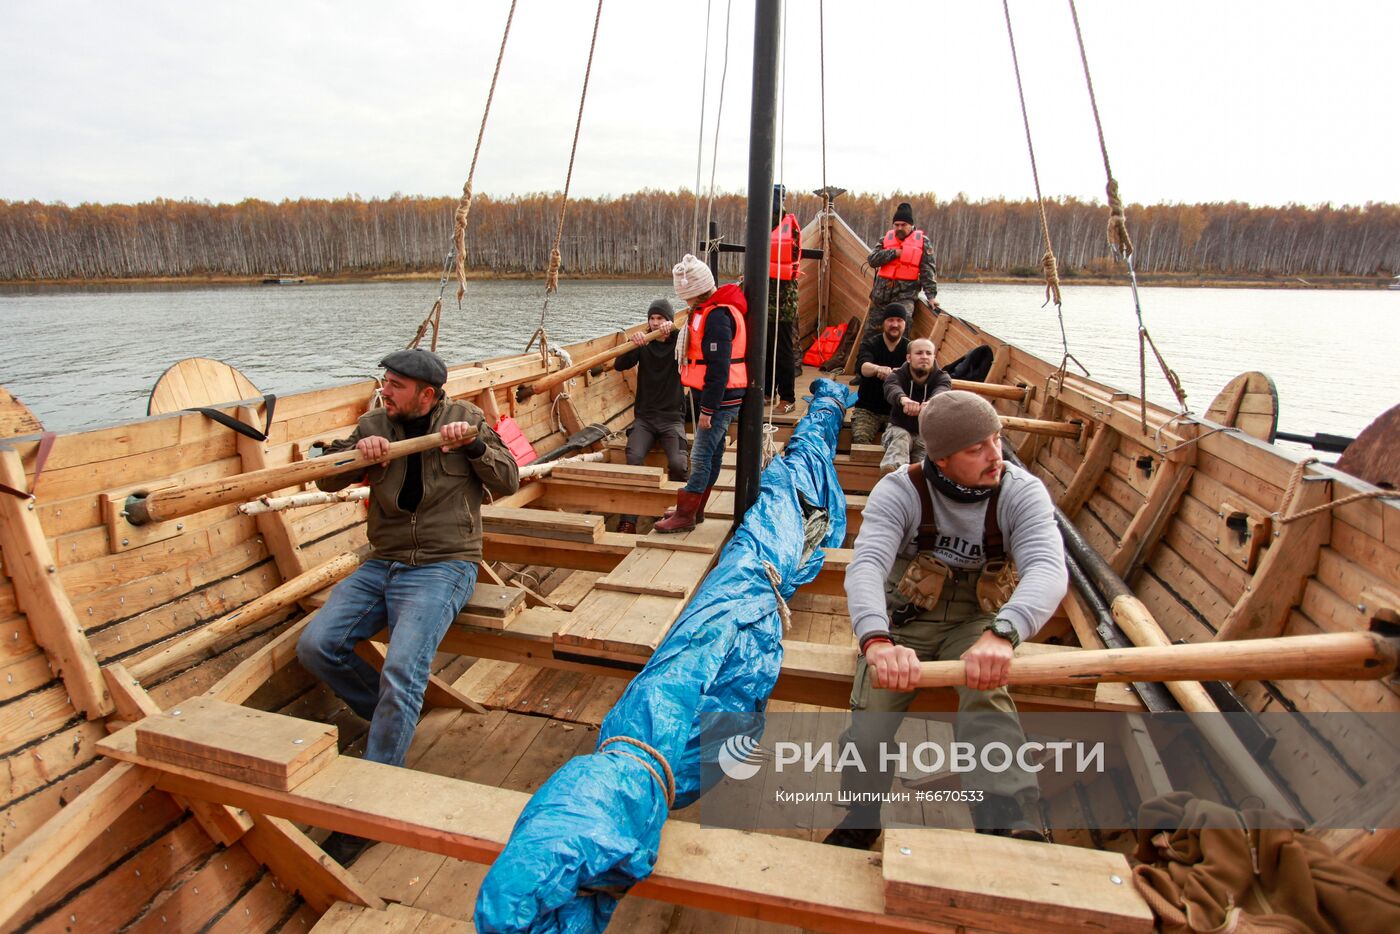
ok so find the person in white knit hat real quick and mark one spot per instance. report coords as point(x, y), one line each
point(716, 342)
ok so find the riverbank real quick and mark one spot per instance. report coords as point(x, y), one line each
point(1168, 280)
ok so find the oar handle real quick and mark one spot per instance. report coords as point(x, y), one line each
point(186, 500)
point(1349, 656)
point(559, 377)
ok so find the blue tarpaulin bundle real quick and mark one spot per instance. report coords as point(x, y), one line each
point(592, 831)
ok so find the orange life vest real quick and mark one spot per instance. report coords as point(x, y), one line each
point(730, 297)
point(823, 347)
point(905, 266)
point(785, 249)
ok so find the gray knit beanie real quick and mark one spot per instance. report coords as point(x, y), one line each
point(955, 420)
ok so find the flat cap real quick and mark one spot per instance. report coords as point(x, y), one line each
point(417, 363)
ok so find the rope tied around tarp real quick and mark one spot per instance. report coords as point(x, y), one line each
point(1295, 484)
point(668, 784)
point(774, 580)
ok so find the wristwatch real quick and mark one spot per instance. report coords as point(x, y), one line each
point(1002, 628)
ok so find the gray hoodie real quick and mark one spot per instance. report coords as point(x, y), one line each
point(1025, 515)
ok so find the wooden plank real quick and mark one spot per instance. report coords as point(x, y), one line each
point(1277, 585)
point(1150, 522)
point(301, 866)
point(1086, 477)
point(438, 692)
point(542, 523)
point(275, 527)
point(28, 867)
point(966, 879)
point(224, 824)
point(611, 474)
point(227, 739)
point(575, 587)
point(706, 538)
point(31, 567)
point(710, 868)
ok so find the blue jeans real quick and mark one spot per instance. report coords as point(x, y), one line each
point(417, 604)
point(707, 453)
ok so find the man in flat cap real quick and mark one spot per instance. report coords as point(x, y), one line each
point(958, 557)
point(904, 264)
point(425, 536)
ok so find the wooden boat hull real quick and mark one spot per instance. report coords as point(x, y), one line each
point(1185, 512)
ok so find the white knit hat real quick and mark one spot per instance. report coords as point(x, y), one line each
point(692, 278)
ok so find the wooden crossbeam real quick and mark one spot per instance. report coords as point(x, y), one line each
point(969, 880)
point(32, 568)
point(707, 868)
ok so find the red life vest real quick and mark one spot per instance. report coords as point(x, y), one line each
point(825, 345)
point(785, 249)
point(693, 370)
point(905, 266)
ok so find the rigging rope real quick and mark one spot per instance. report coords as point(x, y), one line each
point(458, 250)
point(1052, 277)
point(719, 116)
point(700, 139)
point(551, 280)
point(1048, 263)
point(1122, 245)
point(821, 61)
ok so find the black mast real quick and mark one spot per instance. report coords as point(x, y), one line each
point(762, 133)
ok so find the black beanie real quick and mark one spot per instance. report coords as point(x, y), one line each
point(895, 310)
point(661, 307)
point(904, 213)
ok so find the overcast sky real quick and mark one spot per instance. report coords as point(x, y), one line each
point(1264, 102)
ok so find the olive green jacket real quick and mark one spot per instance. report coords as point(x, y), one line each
point(447, 525)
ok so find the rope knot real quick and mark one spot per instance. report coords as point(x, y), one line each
point(774, 579)
point(459, 237)
point(551, 277)
point(1052, 278)
point(1118, 237)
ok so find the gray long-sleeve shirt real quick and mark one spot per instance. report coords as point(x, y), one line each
point(1025, 515)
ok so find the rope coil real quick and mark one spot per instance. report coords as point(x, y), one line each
point(668, 784)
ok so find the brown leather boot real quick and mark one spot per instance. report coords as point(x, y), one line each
point(627, 527)
point(683, 519)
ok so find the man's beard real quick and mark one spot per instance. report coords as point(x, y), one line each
point(919, 374)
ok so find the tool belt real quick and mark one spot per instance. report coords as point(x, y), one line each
point(921, 585)
point(996, 584)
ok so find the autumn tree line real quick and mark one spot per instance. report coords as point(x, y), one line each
point(644, 233)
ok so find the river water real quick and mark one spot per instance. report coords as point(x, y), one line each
point(86, 357)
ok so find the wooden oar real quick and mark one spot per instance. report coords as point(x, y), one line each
point(559, 377)
point(1039, 426)
point(186, 500)
point(1340, 656)
point(991, 390)
point(279, 598)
